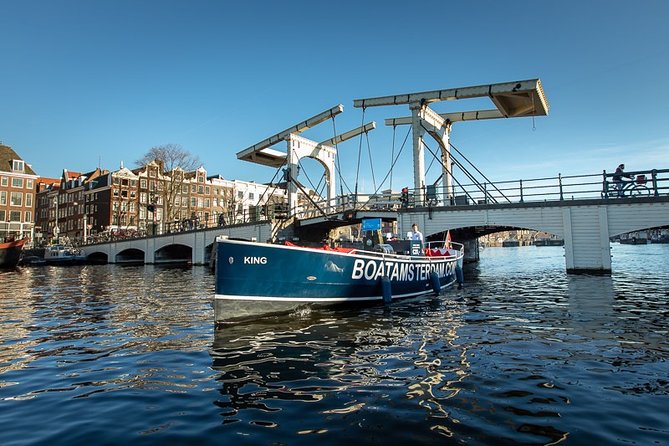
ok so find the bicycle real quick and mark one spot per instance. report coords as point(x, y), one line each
point(634, 188)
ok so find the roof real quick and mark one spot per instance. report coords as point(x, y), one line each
point(7, 154)
point(71, 175)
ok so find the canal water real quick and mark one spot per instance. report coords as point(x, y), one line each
point(524, 354)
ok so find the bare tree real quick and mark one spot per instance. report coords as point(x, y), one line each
point(175, 161)
point(171, 156)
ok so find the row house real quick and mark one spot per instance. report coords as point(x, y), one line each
point(73, 206)
point(17, 189)
point(146, 200)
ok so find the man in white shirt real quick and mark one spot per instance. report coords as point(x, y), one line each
point(415, 233)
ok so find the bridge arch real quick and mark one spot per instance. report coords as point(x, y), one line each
point(130, 256)
point(97, 257)
point(174, 254)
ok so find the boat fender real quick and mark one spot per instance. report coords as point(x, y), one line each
point(434, 280)
point(459, 275)
point(386, 288)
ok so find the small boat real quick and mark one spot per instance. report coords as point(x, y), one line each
point(548, 242)
point(63, 255)
point(32, 260)
point(254, 279)
point(10, 252)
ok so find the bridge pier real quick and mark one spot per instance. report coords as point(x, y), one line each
point(587, 248)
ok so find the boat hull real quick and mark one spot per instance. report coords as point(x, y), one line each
point(10, 253)
point(63, 255)
point(258, 278)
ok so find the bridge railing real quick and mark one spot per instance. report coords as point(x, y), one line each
point(567, 187)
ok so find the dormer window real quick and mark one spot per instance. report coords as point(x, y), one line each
point(18, 165)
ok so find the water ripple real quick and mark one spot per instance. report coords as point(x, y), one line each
point(524, 354)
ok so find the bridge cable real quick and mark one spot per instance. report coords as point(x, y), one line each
point(342, 181)
point(275, 186)
point(357, 172)
point(469, 175)
point(371, 164)
point(454, 178)
point(464, 170)
point(394, 161)
point(334, 135)
point(392, 156)
point(479, 172)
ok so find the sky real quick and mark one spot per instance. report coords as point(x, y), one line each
point(98, 83)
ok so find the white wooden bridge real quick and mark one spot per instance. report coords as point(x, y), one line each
point(581, 210)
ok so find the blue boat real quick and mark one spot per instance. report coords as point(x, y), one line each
point(254, 279)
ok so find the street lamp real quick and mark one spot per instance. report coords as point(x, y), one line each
point(56, 229)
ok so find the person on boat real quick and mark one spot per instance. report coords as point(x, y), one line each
point(618, 179)
point(415, 233)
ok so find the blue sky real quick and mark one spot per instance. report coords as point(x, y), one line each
point(101, 82)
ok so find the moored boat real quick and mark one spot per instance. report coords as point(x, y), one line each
point(63, 255)
point(10, 252)
point(254, 279)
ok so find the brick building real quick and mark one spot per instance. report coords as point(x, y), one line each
point(146, 200)
point(17, 193)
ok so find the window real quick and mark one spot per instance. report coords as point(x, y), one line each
point(142, 183)
point(124, 193)
point(240, 195)
point(29, 200)
point(17, 183)
point(207, 190)
point(16, 199)
point(206, 202)
point(18, 165)
point(116, 180)
point(193, 188)
point(14, 216)
point(124, 182)
point(29, 216)
point(29, 184)
point(133, 194)
point(251, 195)
point(200, 189)
point(184, 189)
point(3, 197)
point(4, 181)
point(193, 201)
point(142, 197)
point(2, 215)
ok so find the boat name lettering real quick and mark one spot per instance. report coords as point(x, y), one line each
point(399, 271)
point(252, 260)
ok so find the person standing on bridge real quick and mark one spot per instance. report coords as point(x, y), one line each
point(618, 179)
point(415, 233)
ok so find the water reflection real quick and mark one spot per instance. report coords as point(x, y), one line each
point(524, 354)
point(345, 365)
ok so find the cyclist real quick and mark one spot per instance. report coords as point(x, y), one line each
point(618, 179)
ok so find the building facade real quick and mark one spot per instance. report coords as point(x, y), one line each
point(100, 205)
point(17, 195)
